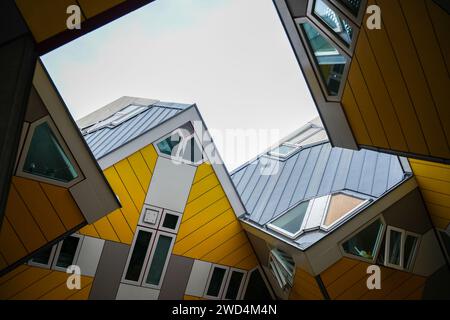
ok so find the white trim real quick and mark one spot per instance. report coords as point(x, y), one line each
point(281, 156)
point(387, 247)
point(174, 213)
point(130, 253)
point(142, 216)
point(415, 249)
point(19, 172)
point(222, 285)
point(378, 241)
point(241, 286)
point(302, 226)
point(49, 263)
point(149, 261)
point(75, 256)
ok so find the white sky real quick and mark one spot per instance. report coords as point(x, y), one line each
point(230, 57)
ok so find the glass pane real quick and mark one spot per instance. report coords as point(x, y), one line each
point(46, 158)
point(43, 256)
point(282, 150)
point(329, 61)
point(256, 288)
point(410, 247)
point(292, 220)
point(339, 26)
point(170, 221)
point(352, 6)
point(365, 243)
point(159, 260)
point(138, 256)
point(340, 205)
point(395, 243)
point(234, 285)
point(192, 151)
point(67, 252)
point(216, 282)
point(167, 145)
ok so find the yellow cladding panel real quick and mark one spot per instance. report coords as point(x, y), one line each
point(434, 183)
point(209, 229)
point(92, 8)
point(347, 278)
point(129, 179)
point(45, 18)
point(33, 283)
point(305, 287)
point(12, 249)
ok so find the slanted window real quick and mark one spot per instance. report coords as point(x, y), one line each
point(216, 282)
point(181, 145)
point(67, 251)
point(329, 62)
point(256, 287)
point(290, 223)
point(283, 268)
point(139, 253)
point(117, 118)
point(158, 260)
point(353, 6)
point(303, 135)
point(400, 248)
point(333, 20)
point(234, 284)
point(341, 205)
point(365, 243)
point(46, 157)
point(44, 257)
point(283, 151)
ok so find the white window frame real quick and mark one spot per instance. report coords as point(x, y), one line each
point(147, 254)
point(47, 265)
point(302, 226)
point(275, 264)
point(21, 173)
point(281, 156)
point(378, 242)
point(346, 215)
point(175, 213)
point(241, 286)
point(75, 257)
point(150, 256)
point(404, 234)
point(222, 285)
point(180, 159)
point(158, 218)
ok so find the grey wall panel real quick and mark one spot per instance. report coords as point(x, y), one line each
point(330, 171)
point(247, 176)
point(297, 8)
point(367, 173)
point(260, 247)
point(395, 173)
point(409, 213)
point(381, 174)
point(342, 170)
point(261, 186)
point(319, 170)
point(354, 173)
point(245, 195)
point(176, 278)
point(109, 271)
point(36, 108)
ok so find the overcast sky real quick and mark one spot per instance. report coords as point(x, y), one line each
point(230, 57)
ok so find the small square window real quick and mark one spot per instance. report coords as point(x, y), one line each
point(170, 221)
point(150, 216)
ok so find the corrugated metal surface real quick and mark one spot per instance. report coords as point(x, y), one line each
point(312, 172)
point(106, 140)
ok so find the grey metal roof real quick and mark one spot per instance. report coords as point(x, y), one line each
point(106, 140)
point(312, 172)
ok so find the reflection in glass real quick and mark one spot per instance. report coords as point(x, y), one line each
point(365, 243)
point(395, 244)
point(339, 26)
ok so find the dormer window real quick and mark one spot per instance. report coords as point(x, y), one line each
point(117, 118)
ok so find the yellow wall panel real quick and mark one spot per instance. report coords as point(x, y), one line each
point(23, 223)
point(412, 70)
point(337, 270)
point(89, 230)
point(441, 25)
point(403, 291)
point(141, 170)
point(21, 282)
point(131, 183)
point(14, 272)
point(105, 230)
point(52, 280)
point(203, 170)
point(40, 207)
point(64, 204)
point(202, 186)
point(305, 287)
point(354, 117)
point(203, 201)
point(92, 8)
point(150, 156)
point(82, 294)
point(378, 92)
point(45, 18)
point(237, 255)
point(186, 297)
point(3, 263)
point(121, 227)
point(61, 292)
point(248, 263)
point(226, 248)
point(348, 279)
point(431, 58)
point(366, 107)
point(11, 247)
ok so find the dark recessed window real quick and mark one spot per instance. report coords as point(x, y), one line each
point(170, 221)
point(68, 251)
point(215, 283)
point(352, 5)
point(410, 248)
point(234, 285)
point(138, 256)
point(167, 145)
point(256, 287)
point(43, 256)
point(46, 157)
point(365, 243)
point(333, 21)
point(446, 242)
point(329, 61)
point(159, 260)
